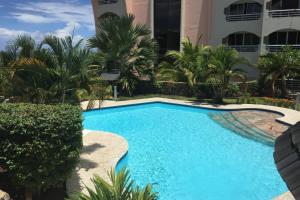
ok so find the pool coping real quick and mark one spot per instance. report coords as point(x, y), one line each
point(113, 149)
point(288, 116)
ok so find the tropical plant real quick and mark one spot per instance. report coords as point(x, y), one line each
point(55, 69)
point(126, 47)
point(189, 65)
point(120, 188)
point(70, 69)
point(5, 83)
point(223, 69)
point(30, 79)
point(279, 65)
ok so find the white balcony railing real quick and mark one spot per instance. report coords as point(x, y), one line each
point(243, 17)
point(244, 48)
point(276, 48)
point(284, 13)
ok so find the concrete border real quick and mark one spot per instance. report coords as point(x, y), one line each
point(101, 152)
point(289, 116)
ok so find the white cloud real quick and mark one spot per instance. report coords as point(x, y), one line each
point(36, 19)
point(8, 34)
point(67, 30)
point(69, 11)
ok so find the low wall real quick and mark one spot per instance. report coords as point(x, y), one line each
point(202, 90)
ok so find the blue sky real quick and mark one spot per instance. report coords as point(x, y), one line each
point(42, 17)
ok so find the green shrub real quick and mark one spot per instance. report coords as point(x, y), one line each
point(233, 90)
point(250, 87)
point(174, 88)
point(40, 144)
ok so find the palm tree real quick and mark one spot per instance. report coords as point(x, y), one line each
point(30, 80)
point(48, 71)
point(222, 69)
point(69, 68)
point(120, 188)
point(279, 65)
point(5, 82)
point(25, 72)
point(127, 47)
point(188, 65)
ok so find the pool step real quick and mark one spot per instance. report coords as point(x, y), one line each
point(242, 127)
point(260, 132)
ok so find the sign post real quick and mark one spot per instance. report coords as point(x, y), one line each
point(297, 106)
point(115, 93)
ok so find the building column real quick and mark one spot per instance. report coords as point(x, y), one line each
point(182, 22)
point(152, 17)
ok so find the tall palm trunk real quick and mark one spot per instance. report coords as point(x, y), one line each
point(63, 95)
point(283, 87)
point(28, 194)
point(272, 91)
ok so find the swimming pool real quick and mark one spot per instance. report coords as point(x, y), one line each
point(187, 156)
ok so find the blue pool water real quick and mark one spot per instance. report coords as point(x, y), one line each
point(187, 156)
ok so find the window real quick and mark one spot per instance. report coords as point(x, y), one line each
point(292, 37)
point(281, 37)
point(284, 38)
point(245, 8)
point(243, 39)
point(237, 9)
point(290, 4)
point(252, 8)
point(107, 1)
point(167, 20)
point(284, 4)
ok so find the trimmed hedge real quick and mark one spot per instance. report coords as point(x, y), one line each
point(174, 88)
point(39, 144)
point(201, 90)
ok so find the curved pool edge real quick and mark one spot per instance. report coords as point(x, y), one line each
point(289, 116)
point(101, 152)
point(125, 148)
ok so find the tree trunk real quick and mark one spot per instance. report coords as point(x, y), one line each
point(272, 91)
point(219, 94)
point(283, 87)
point(28, 194)
point(63, 95)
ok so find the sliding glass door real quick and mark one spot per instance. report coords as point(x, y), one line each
point(167, 19)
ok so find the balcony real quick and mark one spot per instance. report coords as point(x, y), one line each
point(244, 48)
point(276, 40)
point(284, 13)
point(242, 42)
point(276, 48)
point(243, 11)
point(243, 17)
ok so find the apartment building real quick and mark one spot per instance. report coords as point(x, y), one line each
point(252, 27)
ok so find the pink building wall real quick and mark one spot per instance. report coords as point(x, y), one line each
point(196, 16)
point(141, 9)
point(197, 20)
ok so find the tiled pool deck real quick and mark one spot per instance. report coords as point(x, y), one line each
point(102, 152)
